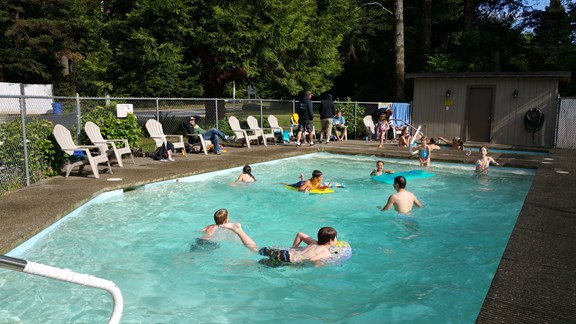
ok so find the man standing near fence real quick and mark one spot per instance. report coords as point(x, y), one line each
point(305, 118)
point(327, 112)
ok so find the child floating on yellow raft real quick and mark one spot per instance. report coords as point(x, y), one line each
point(314, 184)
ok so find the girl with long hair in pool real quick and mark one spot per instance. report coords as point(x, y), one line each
point(246, 175)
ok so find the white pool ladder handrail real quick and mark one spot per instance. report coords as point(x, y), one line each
point(42, 270)
point(411, 145)
point(422, 128)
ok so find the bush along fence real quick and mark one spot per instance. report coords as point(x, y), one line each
point(29, 152)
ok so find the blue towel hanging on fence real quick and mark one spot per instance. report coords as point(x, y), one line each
point(401, 112)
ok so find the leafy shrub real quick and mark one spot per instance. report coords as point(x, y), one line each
point(113, 127)
point(45, 158)
point(224, 126)
point(353, 116)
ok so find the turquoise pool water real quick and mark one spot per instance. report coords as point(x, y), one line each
point(434, 266)
point(493, 150)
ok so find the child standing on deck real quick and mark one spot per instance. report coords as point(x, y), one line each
point(383, 127)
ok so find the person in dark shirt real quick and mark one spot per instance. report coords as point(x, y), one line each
point(305, 118)
point(327, 112)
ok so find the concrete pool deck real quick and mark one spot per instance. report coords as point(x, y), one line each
point(536, 277)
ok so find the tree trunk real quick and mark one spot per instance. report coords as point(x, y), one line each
point(495, 65)
point(399, 48)
point(425, 34)
point(469, 7)
point(214, 81)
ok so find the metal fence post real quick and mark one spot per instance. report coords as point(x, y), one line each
point(23, 121)
point(216, 108)
point(558, 103)
point(355, 119)
point(78, 117)
point(157, 110)
point(261, 114)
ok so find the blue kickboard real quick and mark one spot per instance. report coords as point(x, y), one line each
point(413, 174)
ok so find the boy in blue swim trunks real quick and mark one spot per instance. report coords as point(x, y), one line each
point(316, 250)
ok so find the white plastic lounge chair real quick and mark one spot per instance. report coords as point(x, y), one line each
point(273, 121)
point(93, 132)
point(274, 126)
point(253, 124)
point(204, 143)
point(369, 124)
point(157, 134)
point(64, 139)
point(241, 134)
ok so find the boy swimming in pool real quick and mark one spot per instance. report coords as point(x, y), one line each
point(206, 241)
point(379, 169)
point(403, 200)
point(220, 218)
point(316, 250)
point(313, 183)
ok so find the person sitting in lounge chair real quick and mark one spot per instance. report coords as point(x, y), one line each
point(340, 128)
point(212, 134)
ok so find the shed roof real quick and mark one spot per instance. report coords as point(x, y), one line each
point(563, 76)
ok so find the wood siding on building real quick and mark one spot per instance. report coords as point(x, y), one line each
point(508, 113)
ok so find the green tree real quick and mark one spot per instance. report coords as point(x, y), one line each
point(146, 51)
point(293, 45)
point(41, 40)
point(551, 41)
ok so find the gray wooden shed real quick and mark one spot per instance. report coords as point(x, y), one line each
point(487, 107)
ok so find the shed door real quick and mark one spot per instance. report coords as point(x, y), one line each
point(479, 114)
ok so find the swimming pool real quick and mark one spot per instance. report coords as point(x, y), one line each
point(493, 150)
point(434, 266)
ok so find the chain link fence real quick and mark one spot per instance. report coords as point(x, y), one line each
point(27, 146)
point(565, 131)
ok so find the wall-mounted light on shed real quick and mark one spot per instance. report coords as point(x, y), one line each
point(515, 94)
point(448, 93)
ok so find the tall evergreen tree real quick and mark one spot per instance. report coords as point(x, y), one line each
point(42, 40)
point(552, 37)
point(293, 44)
